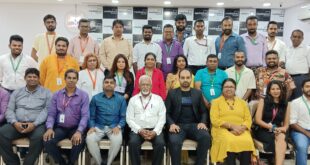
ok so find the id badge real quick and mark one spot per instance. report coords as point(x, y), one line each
point(120, 89)
point(81, 59)
point(62, 118)
point(219, 55)
point(168, 60)
point(265, 90)
point(58, 81)
point(212, 92)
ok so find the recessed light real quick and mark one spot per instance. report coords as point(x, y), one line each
point(167, 2)
point(304, 6)
point(220, 3)
point(266, 4)
point(115, 1)
point(60, 0)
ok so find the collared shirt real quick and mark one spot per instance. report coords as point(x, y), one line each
point(297, 60)
point(185, 35)
point(245, 79)
point(140, 50)
point(211, 84)
point(28, 106)
point(4, 101)
point(168, 54)
point(256, 49)
point(299, 112)
point(42, 47)
point(110, 47)
point(197, 51)
point(106, 111)
point(151, 113)
point(278, 46)
point(79, 48)
point(76, 113)
point(11, 79)
point(226, 54)
point(50, 73)
point(91, 81)
point(264, 76)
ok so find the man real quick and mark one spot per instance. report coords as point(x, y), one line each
point(170, 48)
point(227, 43)
point(243, 76)
point(300, 125)
point(4, 100)
point(14, 64)
point(83, 44)
point(180, 23)
point(186, 118)
point(101, 124)
point(297, 61)
point(146, 46)
point(114, 45)
point(197, 48)
point(274, 43)
point(67, 119)
point(53, 67)
point(26, 115)
point(209, 80)
point(44, 43)
point(146, 116)
point(255, 43)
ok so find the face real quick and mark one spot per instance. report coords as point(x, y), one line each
point(181, 63)
point(297, 38)
point(185, 79)
point(306, 89)
point(212, 63)
point(251, 26)
point(118, 29)
point(275, 91)
point(145, 87)
point(199, 28)
point(50, 25)
point(92, 63)
point(227, 26)
point(239, 58)
point(108, 85)
point(16, 47)
point(168, 33)
point(229, 89)
point(272, 60)
point(84, 27)
point(150, 61)
point(147, 34)
point(121, 64)
point(272, 30)
point(32, 79)
point(61, 48)
point(71, 80)
point(180, 25)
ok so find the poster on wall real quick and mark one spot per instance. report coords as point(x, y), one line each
point(110, 12)
point(242, 28)
point(137, 26)
point(262, 27)
point(155, 14)
point(136, 38)
point(188, 12)
point(277, 15)
point(125, 13)
point(189, 27)
point(140, 13)
point(263, 14)
point(233, 13)
point(104, 36)
point(214, 28)
point(280, 29)
point(127, 26)
point(244, 13)
point(216, 14)
point(157, 26)
point(95, 25)
point(94, 12)
point(107, 26)
point(170, 13)
point(201, 13)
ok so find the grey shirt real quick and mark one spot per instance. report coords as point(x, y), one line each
point(27, 106)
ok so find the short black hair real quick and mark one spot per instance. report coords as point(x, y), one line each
point(186, 69)
point(16, 37)
point(272, 23)
point(83, 20)
point(227, 18)
point(110, 76)
point(168, 26)
point(32, 71)
point(251, 17)
point(304, 82)
point(49, 16)
point(299, 31)
point(271, 52)
point(147, 27)
point(117, 21)
point(72, 71)
point(239, 51)
point(199, 20)
point(212, 56)
point(229, 80)
point(62, 39)
point(149, 54)
point(180, 17)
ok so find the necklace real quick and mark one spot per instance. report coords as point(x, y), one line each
point(231, 106)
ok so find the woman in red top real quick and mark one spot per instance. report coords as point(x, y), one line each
point(158, 83)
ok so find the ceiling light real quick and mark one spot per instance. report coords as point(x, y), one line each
point(59, 0)
point(220, 3)
point(115, 1)
point(167, 2)
point(266, 4)
point(167, 13)
point(304, 6)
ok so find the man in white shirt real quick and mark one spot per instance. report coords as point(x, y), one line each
point(146, 116)
point(300, 125)
point(14, 64)
point(243, 76)
point(274, 43)
point(197, 48)
point(297, 61)
point(144, 47)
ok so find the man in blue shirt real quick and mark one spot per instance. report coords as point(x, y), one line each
point(107, 118)
point(227, 43)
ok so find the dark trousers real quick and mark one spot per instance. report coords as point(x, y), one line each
point(244, 158)
point(53, 150)
point(8, 133)
point(189, 131)
point(195, 68)
point(135, 142)
point(298, 79)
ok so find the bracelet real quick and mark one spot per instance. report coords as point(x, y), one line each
point(273, 127)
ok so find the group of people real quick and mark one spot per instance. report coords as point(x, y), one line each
point(183, 86)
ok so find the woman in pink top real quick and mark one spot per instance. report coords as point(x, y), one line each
point(158, 83)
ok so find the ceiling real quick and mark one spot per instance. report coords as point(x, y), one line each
point(174, 3)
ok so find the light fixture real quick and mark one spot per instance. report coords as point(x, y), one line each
point(115, 1)
point(167, 13)
point(167, 2)
point(266, 4)
point(60, 0)
point(305, 6)
point(220, 3)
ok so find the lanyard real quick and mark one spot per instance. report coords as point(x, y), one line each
point(212, 79)
point(238, 75)
point(169, 49)
point(17, 66)
point(81, 45)
point(93, 80)
point(65, 103)
point(50, 46)
point(253, 40)
point(146, 73)
point(144, 107)
point(58, 67)
point(304, 100)
point(120, 81)
point(273, 45)
point(274, 113)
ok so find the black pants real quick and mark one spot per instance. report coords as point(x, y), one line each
point(8, 133)
point(195, 68)
point(189, 131)
point(244, 158)
point(135, 142)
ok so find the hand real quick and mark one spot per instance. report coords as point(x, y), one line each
point(143, 133)
point(202, 126)
point(279, 130)
point(174, 128)
point(237, 130)
point(19, 127)
point(116, 130)
point(30, 127)
point(150, 135)
point(126, 96)
point(49, 134)
point(91, 130)
point(76, 139)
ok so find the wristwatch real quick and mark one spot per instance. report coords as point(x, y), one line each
point(119, 126)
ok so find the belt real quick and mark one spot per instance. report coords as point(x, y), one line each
point(295, 75)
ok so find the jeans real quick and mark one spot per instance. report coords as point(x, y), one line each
point(302, 143)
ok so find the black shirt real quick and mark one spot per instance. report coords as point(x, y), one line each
point(187, 113)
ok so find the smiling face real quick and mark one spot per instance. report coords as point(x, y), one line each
point(275, 91)
point(32, 80)
point(272, 60)
point(71, 79)
point(16, 47)
point(229, 89)
point(61, 48)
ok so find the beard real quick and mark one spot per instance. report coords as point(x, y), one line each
point(145, 92)
point(252, 31)
point(306, 93)
point(185, 84)
point(227, 31)
point(180, 28)
point(239, 63)
point(147, 38)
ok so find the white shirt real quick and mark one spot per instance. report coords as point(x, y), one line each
point(154, 116)
point(297, 60)
point(279, 46)
point(247, 80)
point(85, 83)
point(10, 79)
point(197, 51)
point(142, 48)
point(41, 45)
point(299, 113)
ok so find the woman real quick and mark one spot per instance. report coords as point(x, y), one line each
point(124, 78)
point(158, 83)
point(91, 77)
point(231, 122)
point(172, 81)
point(272, 119)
